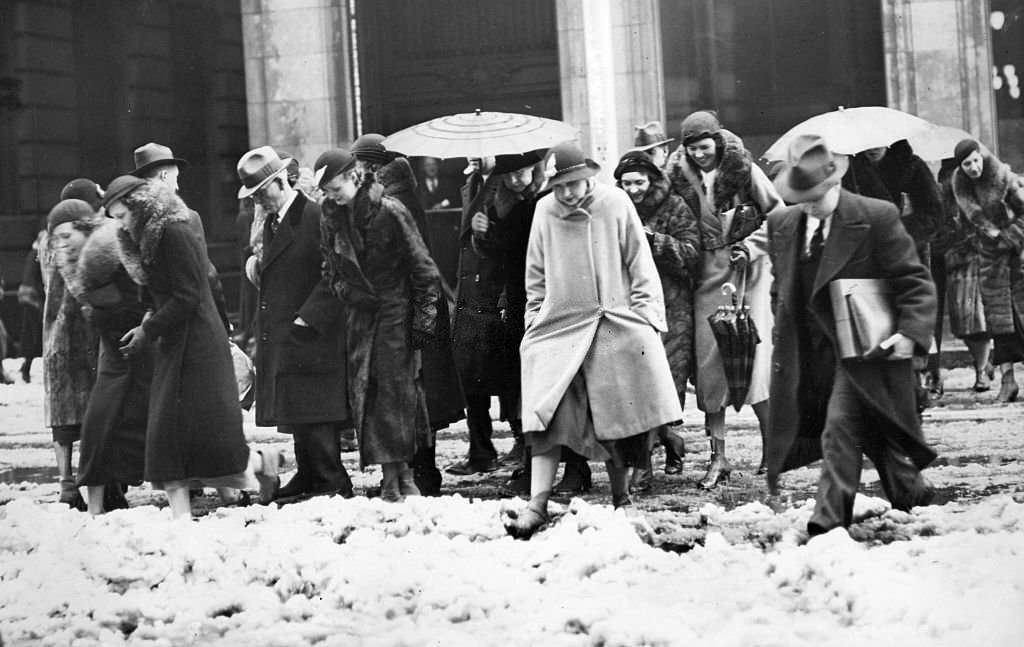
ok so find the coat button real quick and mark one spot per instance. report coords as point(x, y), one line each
point(263, 305)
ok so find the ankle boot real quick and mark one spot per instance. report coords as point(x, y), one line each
point(390, 490)
point(1009, 390)
point(675, 448)
point(407, 483)
point(576, 479)
point(524, 524)
point(618, 479)
point(719, 469)
point(642, 479)
point(69, 493)
point(425, 474)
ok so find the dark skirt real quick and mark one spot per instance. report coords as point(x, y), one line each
point(572, 426)
point(113, 448)
point(1009, 348)
point(66, 434)
point(31, 334)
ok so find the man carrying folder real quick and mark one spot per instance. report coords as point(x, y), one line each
point(822, 406)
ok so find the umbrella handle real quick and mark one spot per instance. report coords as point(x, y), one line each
point(729, 290)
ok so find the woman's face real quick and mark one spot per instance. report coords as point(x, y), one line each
point(704, 153)
point(973, 165)
point(635, 184)
point(572, 193)
point(343, 187)
point(121, 213)
point(67, 241)
point(517, 181)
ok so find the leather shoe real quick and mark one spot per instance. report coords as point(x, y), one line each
point(642, 479)
point(575, 480)
point(518, 484)
point(427, 479)
point(468, 467)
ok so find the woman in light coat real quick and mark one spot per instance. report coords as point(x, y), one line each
point(594, 371)
point(731, 197)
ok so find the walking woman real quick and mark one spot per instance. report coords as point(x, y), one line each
point(990, 198)
point(672, 234)
point(595, 375)
point(731, 197)
point(194, 431)
point(378, 265)
point(112, 450)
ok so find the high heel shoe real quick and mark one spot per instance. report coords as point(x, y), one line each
point(983, 379)
point(1009, 389)
point(719, 469)
point(675, 449)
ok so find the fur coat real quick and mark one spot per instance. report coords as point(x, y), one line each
point(194, 430)
point(675, 245)
point(734, 214)
point(377, 264)
point(993, 206)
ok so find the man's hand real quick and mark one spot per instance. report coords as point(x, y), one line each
point(899, 346)
point(480, 223)
point(133, 341)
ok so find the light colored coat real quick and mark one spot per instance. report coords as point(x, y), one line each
point(595, 303)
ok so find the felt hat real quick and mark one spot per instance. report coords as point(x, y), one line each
point(650, 135)
point(83, 189)
point(70, 210)
point(121, 186)
point(964, 148)
point(151, 155)
point(370, 148)
point(330, 164)
point(700, 125)
point(810, 170)
point(258, 168)
point(567, 163)
point(516, 161)
point(636, 160)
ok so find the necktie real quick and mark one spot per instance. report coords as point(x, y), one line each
point(817, 241)
point(271, 227)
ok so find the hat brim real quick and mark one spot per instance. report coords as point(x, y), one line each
point(245, 192)
point(590, 168)
point(145, 168)
point(648, 147)
point(110, 198)
point(795, 196)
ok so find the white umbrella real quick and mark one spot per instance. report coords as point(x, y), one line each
point(852, 130)
point(479, 134)
point(938, 142)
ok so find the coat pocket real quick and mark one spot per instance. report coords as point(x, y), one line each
point(304, 350)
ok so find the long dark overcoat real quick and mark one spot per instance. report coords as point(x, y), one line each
point(194, 429)
point(377, 264)
point(300, 371)
point(868, 241)
point(445, 403)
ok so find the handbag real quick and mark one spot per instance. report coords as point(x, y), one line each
point(864, 316)
point(963, 298)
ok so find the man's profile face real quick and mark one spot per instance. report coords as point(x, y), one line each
point(824, 206)
point(169, 176)
point(272, 196)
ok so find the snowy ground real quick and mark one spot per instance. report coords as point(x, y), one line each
point(719, 569)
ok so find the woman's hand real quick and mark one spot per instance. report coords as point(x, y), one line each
point(480, 223)
point(133, 341)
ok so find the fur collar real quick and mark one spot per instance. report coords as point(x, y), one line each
point(99, 259)
point(396, 176)
point(153, 206)
point(733, 173)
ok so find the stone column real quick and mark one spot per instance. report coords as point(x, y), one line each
point(298, 71)
point(938, 62)
point(611, 72)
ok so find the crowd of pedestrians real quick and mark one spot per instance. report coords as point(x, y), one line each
point(581, 306)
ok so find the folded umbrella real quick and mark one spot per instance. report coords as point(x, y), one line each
point(480, 134)
point(737, 339)
point(852, 130)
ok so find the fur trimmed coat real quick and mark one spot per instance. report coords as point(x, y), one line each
point(734, 213)
point(594, 305)
point(675, 245)
point(194, 429)
point(114, 431)
point(70, 348)
point(993, 206)
point(445, 404)
point(376, 263)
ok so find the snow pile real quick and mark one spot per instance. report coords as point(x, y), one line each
point(442, 572)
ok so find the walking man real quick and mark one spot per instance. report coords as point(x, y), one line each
point(300, 351)
point(838, 409)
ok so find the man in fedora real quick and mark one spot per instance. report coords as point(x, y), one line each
point(822, 407)
point(650, 138)
point(300, 351)
point(157, 163)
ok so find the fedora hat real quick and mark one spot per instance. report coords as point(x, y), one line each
point(258, 167)
point(151, 155)
point(649, 136)
point(567, 163)
point(811, 169)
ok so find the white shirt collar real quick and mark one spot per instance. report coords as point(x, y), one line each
point(812, 226)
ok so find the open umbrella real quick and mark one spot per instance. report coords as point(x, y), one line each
point(938, 142)
point(852, 130)
point(480, 134)
point(737, 339)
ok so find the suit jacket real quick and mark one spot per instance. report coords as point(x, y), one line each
point(866, 240)
point(300, 372)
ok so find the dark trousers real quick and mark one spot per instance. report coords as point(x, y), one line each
point(318, 455)
point(853, 429)
point(478, 419)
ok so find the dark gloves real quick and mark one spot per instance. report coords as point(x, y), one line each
point(420, 339)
